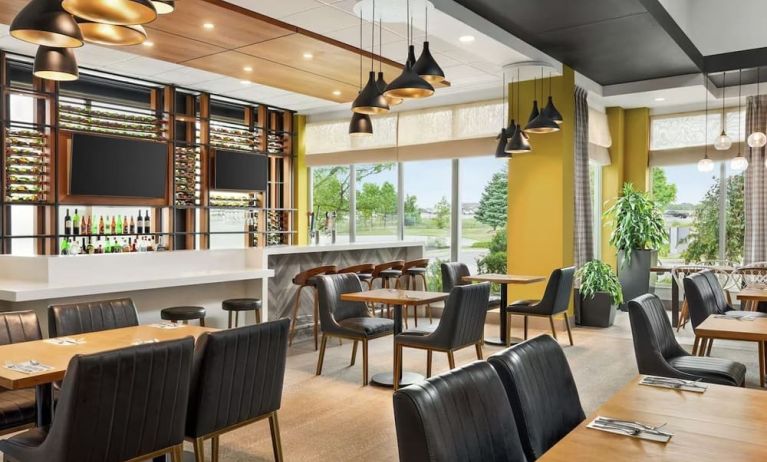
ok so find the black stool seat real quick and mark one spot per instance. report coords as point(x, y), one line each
point(182, 313)
point(390, 273)
point(365, 276)
point(417, 270)
point(241, 304)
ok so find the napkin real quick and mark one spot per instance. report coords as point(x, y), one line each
point(630, 429)
point(676, 384)
point(142, 342)
point(65, 341)
point(166, 325)
point(28, 367)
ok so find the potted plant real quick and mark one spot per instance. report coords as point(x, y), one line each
point(638, 231)
point(598, 293)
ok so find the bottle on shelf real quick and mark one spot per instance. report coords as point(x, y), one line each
point(126, 246)
point(132, 226)
point(125, 224)
point(76, 223)
point(90, 249)
point(118, 227)
point(147, 228)
point(113, 226)
point(74, 247)
point(64, 249)
point(101, 225)
point(99, 249)
point(140, 224)
point(67, 224)
point(85, 227)
point(107, 226)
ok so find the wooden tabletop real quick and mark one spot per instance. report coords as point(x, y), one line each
point(731, 328)
point(58, 356)
point(724, 423)
point(395, 297)
point(504, 278)
point(758, 294)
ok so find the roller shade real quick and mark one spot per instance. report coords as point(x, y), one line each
point(599, 137)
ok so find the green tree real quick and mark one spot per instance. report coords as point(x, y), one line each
point(495, 260)
point(493, 203)
point(442, 213)
point(368, 201)
point(703, 243)
point(412, 212)
point(387, 201)
point(663, 192)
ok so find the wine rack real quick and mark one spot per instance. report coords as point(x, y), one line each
point(26, 166)
point(84, 117)
point(235, 200)
point(275, 144)
point(229, 136)
point(186, 176)
point(274, 227)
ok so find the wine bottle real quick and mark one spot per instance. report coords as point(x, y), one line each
point(101, 225)
point(64, 247)
point(107, 226)
point(113, 226)
point(75, 223)
point(84, 226)
point(67, 224)
point(140, 225)
point(90, 247)
point(126, 246)
point(125, 224)
point(147, 228)
point(132, 226)
point(94, 226)
point(118, 227)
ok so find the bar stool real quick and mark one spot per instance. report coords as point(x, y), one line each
point(235, 305)
point(387, 272)
point(183, 314)
point(415, 269)
point(363, 271)
point(307, 279)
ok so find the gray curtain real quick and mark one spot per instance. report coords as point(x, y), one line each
point(755, 194)
point(584, 236)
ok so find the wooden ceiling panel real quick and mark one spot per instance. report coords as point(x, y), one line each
point(172, 48)
point(9, 8)
point(276, 75)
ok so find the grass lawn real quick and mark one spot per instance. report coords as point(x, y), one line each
point(471, 230)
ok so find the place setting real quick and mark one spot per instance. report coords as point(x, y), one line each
point(27, 367)
point(65, 341)
point(631, 429)
point(677, 384)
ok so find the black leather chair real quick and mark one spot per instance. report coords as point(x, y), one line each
point(452, 276)
point(462, 325)
point(542, 392)
point(459, 416)
point(17, 407)
point(81, 318)
point(237, 380)
point(120, 405)
point(658, 353)
point(349, 320)
point(555, 300)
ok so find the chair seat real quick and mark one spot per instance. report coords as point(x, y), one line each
point(17, 408)
point(365, 276)
point(421, 330)
point(390, 273)
point(523, 307)
point(241, 304)
point(368, 326)
point(415, 271)
point(494, 300)
point(182, 313)
point(711, 370)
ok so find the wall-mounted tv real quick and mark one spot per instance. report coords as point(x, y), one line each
point(240, 171)
point(117, 167)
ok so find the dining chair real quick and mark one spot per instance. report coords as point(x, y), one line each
point(452, 275)
point(346, 319)
point(81, 318)
point(679, 273)
point(17, 407)
point(389, 273)
point(556, 299)
point(658, 352)
point(542, 392)
point(415, 270)
point(237, 381)
point(462, 415)
point(308, 279)
point(751, 275)
point(121, 405)
point(462, 325)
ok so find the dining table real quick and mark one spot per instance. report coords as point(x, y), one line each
point(396, 298)
point(751, 296)
point(504, 280)
point(723, 423)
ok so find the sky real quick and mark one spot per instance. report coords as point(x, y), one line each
point(692, 184)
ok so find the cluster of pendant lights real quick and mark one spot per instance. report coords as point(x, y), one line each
point(59, 26)
point(514, 139)
point(723, 142)
point(417, 80)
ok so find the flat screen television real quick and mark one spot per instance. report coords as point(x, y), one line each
point(118, 167)
point(240, 171)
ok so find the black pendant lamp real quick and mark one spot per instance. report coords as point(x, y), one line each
point(44, 22)
point(360, 125)
point(123, 12)
point(409, 85)
point(503, 137)
point(518, 142)
point(550, 110)
point(164, 6)
point(381, 81)
point(55, 63)
point(426, 66)
point(111, 34)
point(371, 100)
point(538, 121)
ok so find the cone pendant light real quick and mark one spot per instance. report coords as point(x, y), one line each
point(360, 125)
point(122, 12)
point(517, 142)
point(503, 137)
point(371, 100)
point(54, 63)
point(45, 22)
point(381, 82)
point(409, 85)
point(111, 34)
point(539, 122)
point(426, 66)
point(550, 110)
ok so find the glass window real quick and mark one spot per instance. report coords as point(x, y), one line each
point(376, 208)
point(330, 202)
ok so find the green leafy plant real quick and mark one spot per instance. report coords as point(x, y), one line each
point(597, 276)
point(637, 222)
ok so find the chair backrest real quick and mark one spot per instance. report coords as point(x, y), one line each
point(704, 296)
point(453, 274)
point(238, 376)
point(463, 320)
point(559, 289)
point(542, 392)
point(460, 416)
point(303, 278)
point(393, 265)
point(332, 308)
point(81, 318)
point(121, 404)
point(654, 341)
point(420, 263)
point(19, 326)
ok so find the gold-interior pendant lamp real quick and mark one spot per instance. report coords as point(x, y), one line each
point(164, 6)
point(427, 66)
point(409, 85)
point(381, 82)
point(518, 142)
point(55, 63)
point(360, 125)
point(503, 137)
point(539, 122)
point(550, 110)
point(44, 22)
point(121, 12)
point(111, 34)
point(371, 100)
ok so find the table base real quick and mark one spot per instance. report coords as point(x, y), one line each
point(500, 342)
point(386, 379)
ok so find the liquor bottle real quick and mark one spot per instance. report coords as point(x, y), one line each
point(133, 246)
point(101, 225)
point(132, 226)
point(75, 224)
point(140, 224)
point(113, 227)
point(85, 228)
point(126, 246)
point(64, 247)
point(74, 247)
point(107, 226)
point(99, 250)
point(67, 224)
point(125, 224)
point(117, 227)
point(90, 249)
point(147, 228)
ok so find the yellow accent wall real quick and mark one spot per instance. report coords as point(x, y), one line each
point(301, 181)
point(541, 196)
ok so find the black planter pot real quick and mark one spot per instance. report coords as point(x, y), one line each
point(597, 311)
point(635, 275)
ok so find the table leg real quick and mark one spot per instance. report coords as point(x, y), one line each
point(501, 340)
point(761, 364)
point(674, 302)
point(386, 379)
point(702, 349)
point(44, 404)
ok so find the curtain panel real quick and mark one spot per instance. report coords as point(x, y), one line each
point(584, 238)
point(755, 194)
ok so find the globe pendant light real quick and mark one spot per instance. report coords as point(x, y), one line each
point(539, 122)
point(723, 141)
point(123, 12)
point(739, 163)
point(427, 66)
point(518, 142)
point(370, 100)
point(381, 82)
point(409, 85)
point(111, 34)
point(757, 139)
point(550, 110)
point(360, 125)
point(705, 165)
point(164, 6)
point(55, 63)
point(44, 22)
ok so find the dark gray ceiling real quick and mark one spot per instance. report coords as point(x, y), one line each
point(609, 41)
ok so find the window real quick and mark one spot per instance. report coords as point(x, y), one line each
point(376, 202)
point(330, 201)
point(427, 206)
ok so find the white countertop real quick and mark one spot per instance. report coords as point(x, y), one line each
point(295, 249)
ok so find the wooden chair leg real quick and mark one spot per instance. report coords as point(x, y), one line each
point(354, 353)
point(365, 362)
point(258, 316)
point(451, 360)
point(761, 364)
point(702, 347)
point(202, 322)
point(683, 315)
point(569, 328)
point(236, 319)
point(525, 327)
point(274, 427)
point(322, 354)
point(478, 346)
point(229, 324)
point(397, 365)
point(428, 363)
point(508, 329)
point(415, 315)
point(199, 450)
point(177, 453)
point(695, 346)
point(404, 315)
point(316, 316)
point(708, 346)
point(553, 330)
point(293, 316)
point(214, 449)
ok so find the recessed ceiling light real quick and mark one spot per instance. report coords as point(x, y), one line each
point(337, 92)
point(308, 55)
point(660, 98)
point(208, 25)
point(247, 69)
point(466, 38)
point(148, 43)
point(245, 82)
